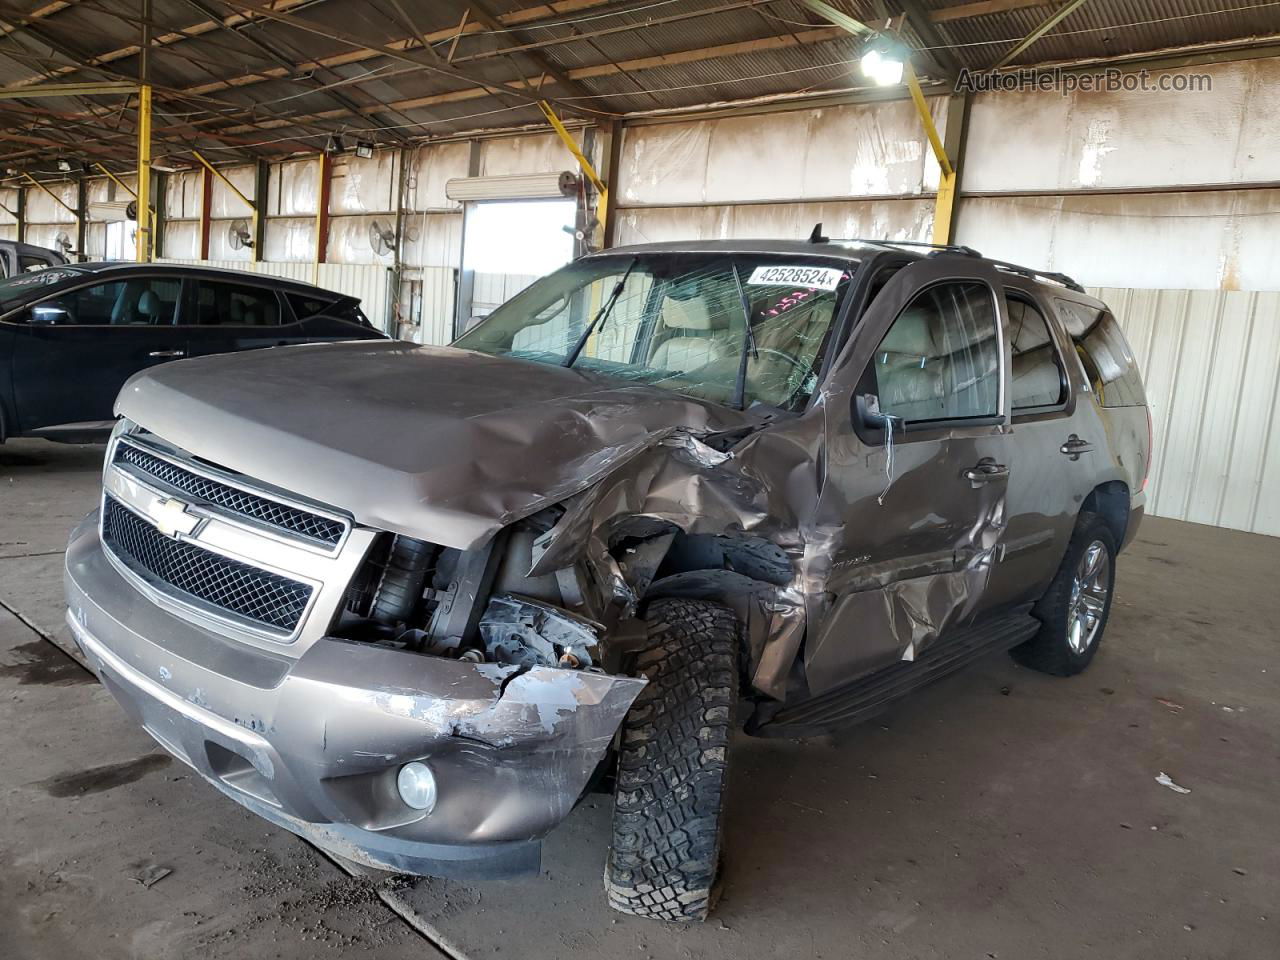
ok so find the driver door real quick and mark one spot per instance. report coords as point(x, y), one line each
point(72, 352)
point(917, 475)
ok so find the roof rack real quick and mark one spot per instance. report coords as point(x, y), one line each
point(1061, 278)
point(936, 248)
point(817, 237)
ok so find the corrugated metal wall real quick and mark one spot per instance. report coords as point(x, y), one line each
point(368, 282)
point(1211, 362)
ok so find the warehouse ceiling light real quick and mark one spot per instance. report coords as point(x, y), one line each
point(364, 150)
point(883, 62)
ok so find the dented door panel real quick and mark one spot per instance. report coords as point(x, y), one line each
point(923, 511)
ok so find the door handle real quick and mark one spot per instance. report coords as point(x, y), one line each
point(985, 471)
point(167, 353)
point(1074, 446)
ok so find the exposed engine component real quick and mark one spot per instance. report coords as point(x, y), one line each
point(400, 589)
point(530, 633)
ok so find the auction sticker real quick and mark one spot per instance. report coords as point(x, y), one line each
point(820, 278)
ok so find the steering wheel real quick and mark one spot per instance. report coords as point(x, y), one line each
point(800, 366)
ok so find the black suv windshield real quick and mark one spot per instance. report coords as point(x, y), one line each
point(679, 322)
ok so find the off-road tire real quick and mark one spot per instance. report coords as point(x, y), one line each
point(1049, 650)
point(668, 803)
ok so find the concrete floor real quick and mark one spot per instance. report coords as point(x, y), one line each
point(998, 814)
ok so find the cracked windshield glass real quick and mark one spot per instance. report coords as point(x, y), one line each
point(680, 323)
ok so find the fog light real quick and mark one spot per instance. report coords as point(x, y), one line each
point(417, 786)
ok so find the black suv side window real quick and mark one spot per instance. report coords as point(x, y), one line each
point(304, 307)
point(1036, 376)
point(231, 304)
point(1105, 354)
point(150, 301)
point(941, 358)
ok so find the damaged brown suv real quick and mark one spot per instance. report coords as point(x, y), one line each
point(413, 602)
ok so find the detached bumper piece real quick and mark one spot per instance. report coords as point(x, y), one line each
point(315, 742)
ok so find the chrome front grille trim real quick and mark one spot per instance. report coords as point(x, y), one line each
point(240, 501)
point(326, 569)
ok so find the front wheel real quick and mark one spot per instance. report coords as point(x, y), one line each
point(1075, 608)
point(668, 803)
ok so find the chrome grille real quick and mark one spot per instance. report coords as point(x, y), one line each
point(258, 595)
point(310, 525)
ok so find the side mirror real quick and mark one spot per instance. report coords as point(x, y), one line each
point(866, 407)
point(50, 314)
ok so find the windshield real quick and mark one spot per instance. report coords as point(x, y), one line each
point(27, 286)
point(678, 321)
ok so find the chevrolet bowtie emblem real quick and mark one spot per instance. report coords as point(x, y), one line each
point(171, 518)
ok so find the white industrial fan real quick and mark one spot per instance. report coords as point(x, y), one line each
point(238, 235)
point(382, 240)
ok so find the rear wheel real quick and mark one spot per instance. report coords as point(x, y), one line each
point(667, 814)
point(1075, 608)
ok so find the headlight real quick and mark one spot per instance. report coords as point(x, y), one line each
point(417, 786)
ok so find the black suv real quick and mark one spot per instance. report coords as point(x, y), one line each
point(70, 336)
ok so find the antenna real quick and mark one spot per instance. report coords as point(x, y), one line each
point(816, 236)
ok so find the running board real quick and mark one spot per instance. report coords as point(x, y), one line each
point(863, 698)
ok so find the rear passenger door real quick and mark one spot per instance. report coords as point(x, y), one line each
point(1046, 480)
point(226, 316)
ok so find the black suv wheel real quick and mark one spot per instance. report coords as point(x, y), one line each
point(1075, 608)
point(667, 814)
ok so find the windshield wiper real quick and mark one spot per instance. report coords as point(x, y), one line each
point(749, 348)
point(601, 314)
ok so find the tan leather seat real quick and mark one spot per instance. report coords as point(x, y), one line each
point(909, 373)
point(702, 335)
point(1034, 376)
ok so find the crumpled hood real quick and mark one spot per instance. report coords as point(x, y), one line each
point(442, 444)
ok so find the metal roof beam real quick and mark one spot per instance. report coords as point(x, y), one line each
point(527, 15)
point(938, 51)
point(803, 38)
point(1048, 24)
point(984, 8)
point(424, 57)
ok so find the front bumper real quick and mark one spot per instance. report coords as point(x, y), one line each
point(313, 742)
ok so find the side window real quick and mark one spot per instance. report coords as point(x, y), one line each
point(304, 306)
point(1105, 354)
point(1035, 371)
point(29, 264)
point(941, 358)
point(137, 301)
point(230, 304)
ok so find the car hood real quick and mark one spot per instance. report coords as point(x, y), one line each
point(442, 444)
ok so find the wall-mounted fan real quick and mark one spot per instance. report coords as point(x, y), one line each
point(238, 235)
point(382, 240)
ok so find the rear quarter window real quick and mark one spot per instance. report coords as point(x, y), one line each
point(1105, 354)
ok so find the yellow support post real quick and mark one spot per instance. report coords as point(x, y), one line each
point(117, 181)
point(602, 204)
point(52, 196)
point(946, 198)
point(144, 174)
point(227, 183)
